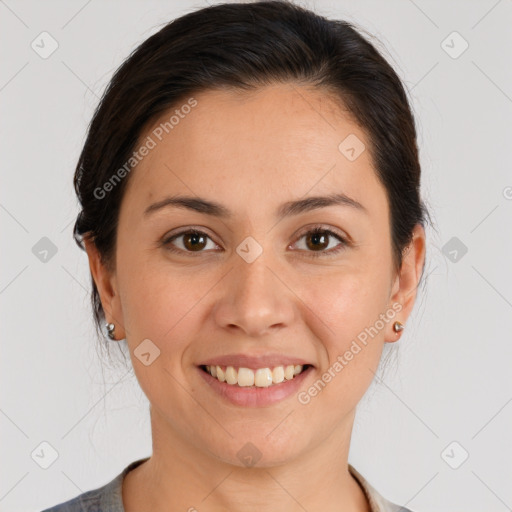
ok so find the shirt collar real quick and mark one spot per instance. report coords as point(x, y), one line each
point(377, 502)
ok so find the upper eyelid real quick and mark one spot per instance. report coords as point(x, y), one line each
point(320, 227)
point(192, 229)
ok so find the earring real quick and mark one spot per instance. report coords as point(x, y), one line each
point(398, 326)
point(110, 330)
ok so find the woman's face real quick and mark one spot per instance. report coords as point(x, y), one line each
point(255, 281)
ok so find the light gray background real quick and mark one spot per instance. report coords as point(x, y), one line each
point(451, 380)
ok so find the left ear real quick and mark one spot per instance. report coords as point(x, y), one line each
point(407, 280)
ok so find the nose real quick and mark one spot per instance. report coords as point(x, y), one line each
point(255, 299)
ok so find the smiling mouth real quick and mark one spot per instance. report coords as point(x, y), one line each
point(259, 378)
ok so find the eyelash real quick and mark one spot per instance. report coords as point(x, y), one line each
point(315, 230)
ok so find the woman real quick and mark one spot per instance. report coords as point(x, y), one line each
point(252, 217)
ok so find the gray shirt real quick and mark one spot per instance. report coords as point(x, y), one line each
point(109, 498)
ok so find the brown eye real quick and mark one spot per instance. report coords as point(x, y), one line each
point(192, 241)
point(319, 239)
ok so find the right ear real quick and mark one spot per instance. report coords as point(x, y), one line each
point(106, 283)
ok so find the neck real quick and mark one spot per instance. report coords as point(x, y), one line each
point(180, 476)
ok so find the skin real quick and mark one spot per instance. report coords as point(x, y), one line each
point(251, 153)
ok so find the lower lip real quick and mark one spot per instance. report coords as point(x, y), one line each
point(254, 396)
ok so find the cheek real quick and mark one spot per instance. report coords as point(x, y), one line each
point(155, 299)
point(351, 347)
point(162, 306)
point(349, 301)
point(348, 308)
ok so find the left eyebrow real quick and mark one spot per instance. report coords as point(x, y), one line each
point(287, 209)
point(317, 202)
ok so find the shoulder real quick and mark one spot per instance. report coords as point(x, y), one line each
point(89, 501)
point(377, 502)
point(107, 498)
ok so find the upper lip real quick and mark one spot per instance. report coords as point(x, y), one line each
point(254, 362)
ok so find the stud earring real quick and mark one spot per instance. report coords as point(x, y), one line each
point(110, 330)
point(398, 326)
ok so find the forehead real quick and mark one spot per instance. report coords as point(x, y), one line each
point(260, 148)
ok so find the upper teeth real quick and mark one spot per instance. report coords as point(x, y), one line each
point(262, 377)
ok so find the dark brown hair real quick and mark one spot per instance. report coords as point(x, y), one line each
point(245, 46)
